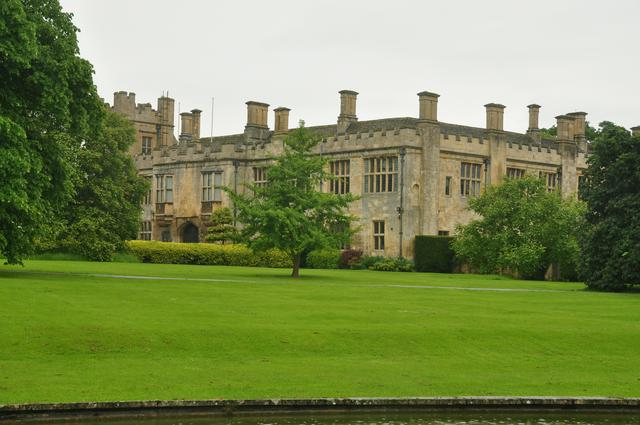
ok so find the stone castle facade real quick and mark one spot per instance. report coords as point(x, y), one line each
point(414, 175)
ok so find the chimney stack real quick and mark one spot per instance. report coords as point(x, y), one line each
point(186, 127)
point(566, 128)
point(635, 130)
point(428, 106)
point(257, 114)
point(195, 126)
point(347, 109)
point(281, 119)
point(580, 125)
point(495, 116)
point(534, 115)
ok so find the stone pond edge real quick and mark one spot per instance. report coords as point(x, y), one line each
point(12, 412)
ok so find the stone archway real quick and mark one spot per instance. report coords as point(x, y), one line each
point(190, 233)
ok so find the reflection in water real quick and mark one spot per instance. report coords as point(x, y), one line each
point(428, 418)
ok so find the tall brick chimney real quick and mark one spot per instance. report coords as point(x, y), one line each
point(195, 129)
point(257, 114)
point(534, 116)
point(186, 126)
point(495, 116)
point(428, 106)
point(281, 124)
point(347, 109)
point(566, 128)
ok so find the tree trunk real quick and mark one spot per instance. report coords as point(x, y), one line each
point(296, 265)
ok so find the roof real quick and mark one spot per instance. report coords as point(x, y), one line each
point(399, 123)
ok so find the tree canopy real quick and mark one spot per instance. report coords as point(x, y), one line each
point(48, 107)
point(610, 242)
point(521, 228)
point(106, 208)
point(289, 212)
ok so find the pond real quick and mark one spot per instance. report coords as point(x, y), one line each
point(413, 418)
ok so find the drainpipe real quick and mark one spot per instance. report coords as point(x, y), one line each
point(236, 163)
point(321, 149)
point(400, 209)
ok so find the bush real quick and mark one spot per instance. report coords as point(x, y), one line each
point(434, 254)
point(205, 254)
point(392, 265)
point(368, 261)
point(350, 259)
point(324, 259)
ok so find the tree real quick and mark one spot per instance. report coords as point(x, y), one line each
point(222, 229)
point(106, 208)
point(289, 212)
point(610, 242)
point(48, 106)
point(522, 228)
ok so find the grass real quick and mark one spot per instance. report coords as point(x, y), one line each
point(67, 334)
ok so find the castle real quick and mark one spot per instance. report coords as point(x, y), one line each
point(414, 176)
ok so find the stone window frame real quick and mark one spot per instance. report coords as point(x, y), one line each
point(164, 188)
point(381, 174)
point(260, 176)
point(515, 172)
point(448, 184)
point(147, 143)
point(211, 186)
point(550, 180)
point(145, 230)
point(470, 179)
point(378, 235)
point(443, 233)
point(340, 169)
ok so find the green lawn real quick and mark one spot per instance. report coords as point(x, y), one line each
point(255, 333)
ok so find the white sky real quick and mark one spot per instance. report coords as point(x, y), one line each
point(566, 55)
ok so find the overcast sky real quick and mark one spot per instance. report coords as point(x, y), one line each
point(565, 55)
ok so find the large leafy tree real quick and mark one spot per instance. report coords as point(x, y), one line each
point(290, 212)
point(106, 208)
point(521, 228)
point(48, 106)
point(610, 243)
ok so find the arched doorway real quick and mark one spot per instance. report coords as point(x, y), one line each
point(190, 233)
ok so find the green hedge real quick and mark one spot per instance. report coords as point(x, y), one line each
point(206, 254)
point(324, 259)
point(434, 254)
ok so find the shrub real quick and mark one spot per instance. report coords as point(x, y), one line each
point(324, 259)
point(392, 265)
point(434, 254)
point(350, 259)
point(367, 261)
point(205, 254)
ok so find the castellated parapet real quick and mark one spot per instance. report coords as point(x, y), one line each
point(443, 164)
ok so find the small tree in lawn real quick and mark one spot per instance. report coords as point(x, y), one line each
point(290, 212)
point(522, 228)
point(221, 229)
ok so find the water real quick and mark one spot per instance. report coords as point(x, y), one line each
point(429, 418)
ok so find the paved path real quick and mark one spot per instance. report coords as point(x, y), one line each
point(119, 276)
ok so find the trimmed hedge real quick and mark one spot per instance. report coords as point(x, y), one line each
point(323, 259)
point(206, 254)
point(433, 254)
